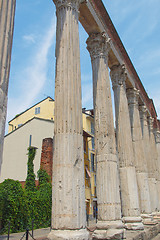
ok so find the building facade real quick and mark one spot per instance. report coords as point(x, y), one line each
point(30, 128)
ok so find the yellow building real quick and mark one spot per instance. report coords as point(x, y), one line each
point(45, 110)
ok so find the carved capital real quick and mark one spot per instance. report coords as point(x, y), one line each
point(143, 112)
point(73, 4)
point(157, 136)
point(150, 123)
point(118, 76)
point(98, 45)
point(132, 96)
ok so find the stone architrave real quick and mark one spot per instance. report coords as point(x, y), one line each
point(153, 166)
point(128, 181)
point(157, 137)
point(139, 155)
point(108, 194)
point(7, 13)
point(68, 200)
point(148, 156)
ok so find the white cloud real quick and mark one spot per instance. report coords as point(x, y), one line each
point(33, 77)
point(29, 38)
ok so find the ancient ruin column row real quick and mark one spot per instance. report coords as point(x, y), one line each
point(127, 171)
point(7, 13)
point(124, 183)
point(138, 151)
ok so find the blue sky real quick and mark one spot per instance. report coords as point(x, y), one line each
point(33, 54)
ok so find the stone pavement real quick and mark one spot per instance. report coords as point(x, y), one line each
point(150, 232)
point(38, 234)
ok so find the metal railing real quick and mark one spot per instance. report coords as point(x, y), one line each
point(27, 233)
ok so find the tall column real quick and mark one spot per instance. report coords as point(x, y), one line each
point(108, 195)
point(157, 137)
point(7, 13)
point(148, 156)
point(68, 200)
point(153, 164)
point(138, 150)
point(128, 181)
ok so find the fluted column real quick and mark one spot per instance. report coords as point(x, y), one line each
point(153, 164)
point(128, 181)
point(148, 156)
point(68, 200)
point(7, 13)
point(138, 150)
point(157, 137)
point(108, 195)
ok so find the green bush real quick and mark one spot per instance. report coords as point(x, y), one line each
point(12, 206)
point(21, 206)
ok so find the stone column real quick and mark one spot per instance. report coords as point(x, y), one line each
point(128, 181)
point(139, 155)
point(108, 195)
point(157, 137)
point(148, 156)
point(7, 13)
point(153, 165)
point(68, 200)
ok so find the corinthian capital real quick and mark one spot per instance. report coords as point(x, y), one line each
point(74, 4)
point(118, 75)
point(157, 136)
point(150, 123)
point(98, 45)
point(143, 112)
point(133, 96)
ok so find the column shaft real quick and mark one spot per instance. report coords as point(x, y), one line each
point(157, 135)
point(128, 181)
point(148, 156)
point(153, 166)
point(108, 195)
point(7, 13)
point(138, 151)
point(68, 204)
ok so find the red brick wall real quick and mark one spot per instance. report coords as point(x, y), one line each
point(47, 155)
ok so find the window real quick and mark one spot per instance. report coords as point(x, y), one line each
point(92, 143)
point(92, 161)
point(92, 127)
point(37, 110)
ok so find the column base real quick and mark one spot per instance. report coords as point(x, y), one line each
point(81, 234)
point(133, 223)
point(147, 219)
point(156, 216)
point(109, 230)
